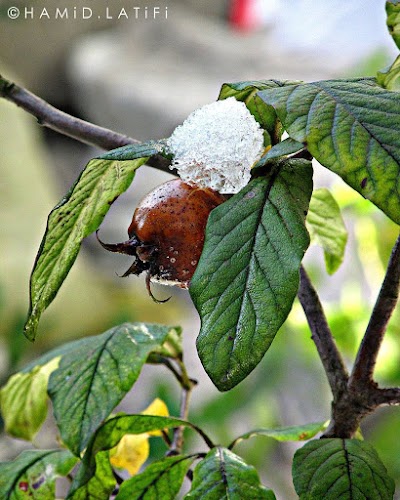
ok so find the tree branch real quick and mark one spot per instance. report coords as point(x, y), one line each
point(362, 374)
point(322, 336)
point(386, 396)
point(363, 395)
point(65, 124)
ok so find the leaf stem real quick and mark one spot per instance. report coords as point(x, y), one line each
point(205, 437)
point(65, 124)
point(168, 364)
point(322, 336)
point(385, 304)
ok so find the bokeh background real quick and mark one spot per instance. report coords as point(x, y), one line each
point(143, 77)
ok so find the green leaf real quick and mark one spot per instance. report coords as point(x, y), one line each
point(390, 78)
point(283, 148)
point(350, 127)
point(248, 273)
point(248, 93)
point(393, 20)
point(326, 227)
point(100, 485)
point(24, 401)
point(90, 382)
point(161, 480)
point(77, 215)
point(105, 438)
point(224, 475)
point(290, 433)
point(33, 473)
point(340, 468)
point(243, 90)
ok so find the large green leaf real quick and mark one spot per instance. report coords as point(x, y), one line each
point(248, 93)
point(23, 400)
point(248, 274)
point(95, 467)
point(340, 468)
point(290, 433)
point(393, 20)
point(91, 381)
point(77, 215)
point(350, 127)
point(33, 473)
point(161, 480)
point(224, 475)
point(326, 227)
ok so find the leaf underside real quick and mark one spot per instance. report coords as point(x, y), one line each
point(326, 227)
point(291, 433)
point(77, 215)
point(350, 127)
point(340, 468)
point(248, 274)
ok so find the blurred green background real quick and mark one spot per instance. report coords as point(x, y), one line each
point(143, 78)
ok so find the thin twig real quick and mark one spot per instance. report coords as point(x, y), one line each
point(362, 374)
point(187, 385)
point(177, 443)
point(65, 124)
point(322, 336)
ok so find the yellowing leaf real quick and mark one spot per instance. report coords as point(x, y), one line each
point(159, 408)
point(24, 400)
point(130, 453)
point(133, 449)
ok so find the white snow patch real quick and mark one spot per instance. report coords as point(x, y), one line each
point(217, 145)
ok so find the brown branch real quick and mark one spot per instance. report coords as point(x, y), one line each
point(363, 395)
point(322, 336)
point(386, 396)
point(187, 385)
point(357, 403)
point(385, 304)
point(65, 124)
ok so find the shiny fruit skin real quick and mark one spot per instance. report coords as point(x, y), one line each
point(170, 224)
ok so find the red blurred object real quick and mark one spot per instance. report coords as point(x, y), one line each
point(243, 15)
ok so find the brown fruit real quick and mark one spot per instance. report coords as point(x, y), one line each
point(167, 232)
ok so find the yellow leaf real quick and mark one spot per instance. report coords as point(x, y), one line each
point(130, 453)
point(133, 449)
point(158, 408)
